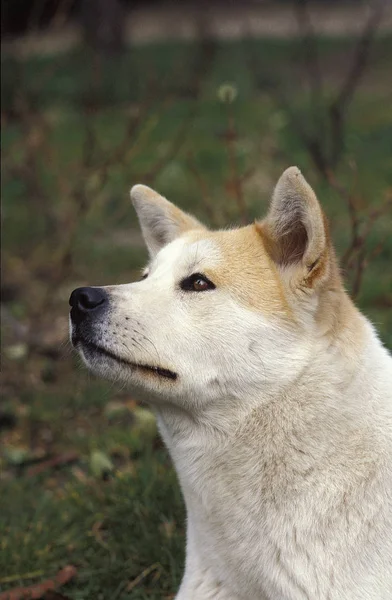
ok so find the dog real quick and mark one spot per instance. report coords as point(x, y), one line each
point(271, 391)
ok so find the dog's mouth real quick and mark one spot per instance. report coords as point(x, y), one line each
point(93, 348)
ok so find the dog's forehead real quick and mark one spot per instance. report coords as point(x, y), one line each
point(231, 249)
point(189, 253)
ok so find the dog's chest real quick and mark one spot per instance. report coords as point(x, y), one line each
point(262, 519)
point(245, 534)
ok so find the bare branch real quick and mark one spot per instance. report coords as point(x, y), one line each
point(312, 59)
point(235, 178)
point(338, 107)
point(358, 254)
point(205, 196)
point(361, 57)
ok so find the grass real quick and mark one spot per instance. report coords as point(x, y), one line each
point(118, 515)
point(111, 530)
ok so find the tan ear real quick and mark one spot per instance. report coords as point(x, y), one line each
point(295, 227)
point(160, 220)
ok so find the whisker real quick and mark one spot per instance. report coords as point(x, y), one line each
point(149, 341)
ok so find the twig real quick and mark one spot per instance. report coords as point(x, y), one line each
point(339, 105)
point(56, 461)
point(132, 584)
point(236, 181)
point(205, 197)
point(353, 214)
point(36, 591)
point(361, 57)
point(18, 577)
point(312, 61)
point(356, 257)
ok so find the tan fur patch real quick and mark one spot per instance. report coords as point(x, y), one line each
point(247, 271)
point(339, 320)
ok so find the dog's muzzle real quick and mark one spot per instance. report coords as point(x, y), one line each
point(88, 308)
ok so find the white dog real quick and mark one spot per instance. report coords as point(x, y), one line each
point(273, 395)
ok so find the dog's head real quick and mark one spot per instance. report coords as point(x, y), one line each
point(215, 313)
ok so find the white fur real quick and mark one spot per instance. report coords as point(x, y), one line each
point(282, 440)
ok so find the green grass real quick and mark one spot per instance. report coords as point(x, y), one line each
point(113, 525)
point(110, 530)
point(129, 526)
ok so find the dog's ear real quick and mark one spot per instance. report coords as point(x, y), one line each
point(160, 220)
point(295, 228)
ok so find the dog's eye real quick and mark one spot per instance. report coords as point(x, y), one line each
point(197, 283)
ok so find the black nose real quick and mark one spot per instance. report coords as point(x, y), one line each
point(85, 300)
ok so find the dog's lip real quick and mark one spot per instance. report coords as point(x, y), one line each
point(161, 371)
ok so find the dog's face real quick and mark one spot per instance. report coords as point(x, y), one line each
point(215, 313)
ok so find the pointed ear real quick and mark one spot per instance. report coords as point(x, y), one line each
point(295, 226)
point(160, 220)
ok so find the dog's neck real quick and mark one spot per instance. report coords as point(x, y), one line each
point(328, 385)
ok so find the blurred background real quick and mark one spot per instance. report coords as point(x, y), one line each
point(207, 102)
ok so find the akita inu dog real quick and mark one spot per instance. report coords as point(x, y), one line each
point(272, 393)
